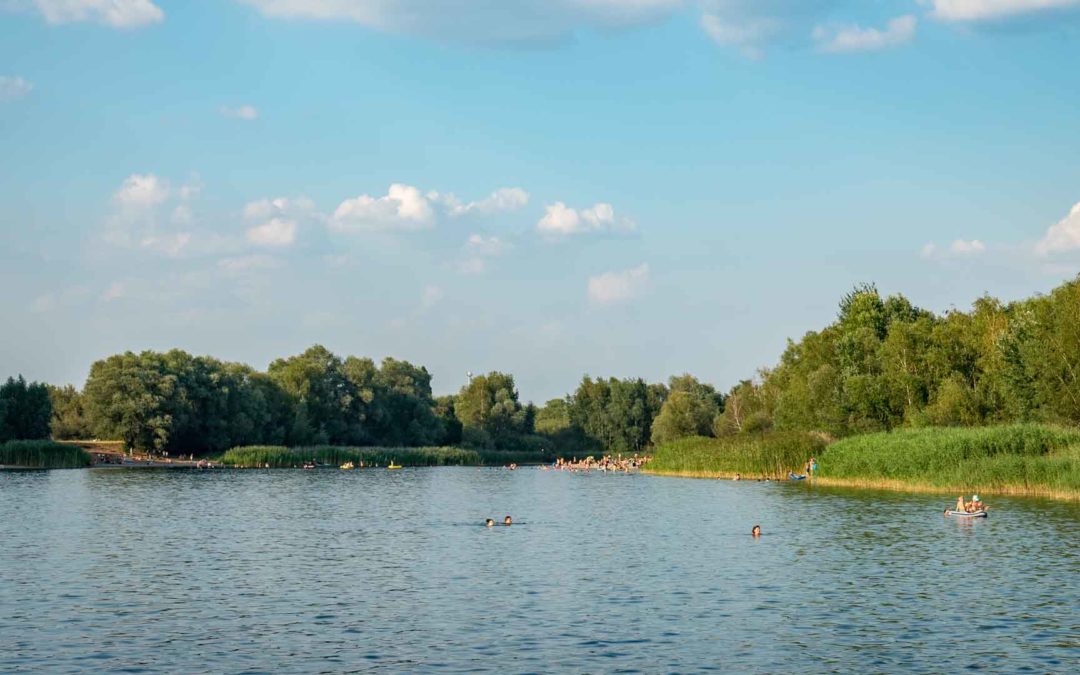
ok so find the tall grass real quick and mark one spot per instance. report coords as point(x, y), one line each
point(282, 457)
point(770, 455)
point(43, 454)
point(1029, 458)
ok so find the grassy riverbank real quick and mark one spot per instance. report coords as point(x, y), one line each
point(281, 457)
point(42, 454)
point(1023, 459)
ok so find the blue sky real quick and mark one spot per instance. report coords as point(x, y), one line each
point(612, 187)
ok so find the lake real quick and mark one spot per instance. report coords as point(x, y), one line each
point(331, 571)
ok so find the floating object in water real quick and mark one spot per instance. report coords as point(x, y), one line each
point(391, 465)
point(348, 465)
point(793, 476)
point(965, 514)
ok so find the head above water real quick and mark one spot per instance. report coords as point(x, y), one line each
point(507, 520)
point(756, 531)
point(489, 522)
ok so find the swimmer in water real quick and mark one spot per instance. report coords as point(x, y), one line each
point(489, 522)
point(756, 532)
point(507, 521)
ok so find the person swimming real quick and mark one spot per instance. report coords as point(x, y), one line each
point(507, 521)
point(756, 532)
point(489, 522)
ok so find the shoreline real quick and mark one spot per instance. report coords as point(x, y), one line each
point(893, 485)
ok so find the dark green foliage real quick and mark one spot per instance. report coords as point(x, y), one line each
point(615, 415)
point(491, 415)
point(886, 364)
point(39, 454)
point(25, 410)
point(69, 419)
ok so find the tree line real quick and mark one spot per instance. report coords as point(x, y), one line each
point(883, 363)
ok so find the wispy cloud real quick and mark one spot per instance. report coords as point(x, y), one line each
point(12, 88)
point(244, 112)
point(115, 13)
point(520, 22)
point(837, 39)
point(991, 10)
point(614, 287)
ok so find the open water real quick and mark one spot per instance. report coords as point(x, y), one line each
point(391, 571)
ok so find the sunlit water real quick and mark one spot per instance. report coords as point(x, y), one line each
point(294, 571)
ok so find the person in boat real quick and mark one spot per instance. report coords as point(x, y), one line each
point(960, 505)
point(756, 531)
point(976, 503)
point(507, 521)
point(489, 523)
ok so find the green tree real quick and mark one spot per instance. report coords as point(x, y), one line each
point(69, 418)
point(25, 410)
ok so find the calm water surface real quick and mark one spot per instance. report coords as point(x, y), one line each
point(330, 571)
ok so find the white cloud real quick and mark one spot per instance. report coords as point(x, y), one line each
point(115, 13)
point(752, 25)
point(276, 232)
point(990, 10)
point(612, 287)
point(500, 201)
point(1062, 236)
point(12, 88)
point(142, 191)
point(279, 206)
point(972, 247)
point(244, 112)
point(959, 248)
point(480, 249)
point(478, 21)
point(485, 246)
point(852, 38)
point(403, 207)
point(560, 220)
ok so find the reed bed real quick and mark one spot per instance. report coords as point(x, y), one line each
point(1013, 459)
point(770, 455)
point(42, 454)
point(278, 457)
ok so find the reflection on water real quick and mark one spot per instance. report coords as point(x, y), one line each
point(294, 571)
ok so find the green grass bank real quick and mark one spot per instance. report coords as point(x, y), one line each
point(1021, 459)
point(43, 454)
point(278, 457)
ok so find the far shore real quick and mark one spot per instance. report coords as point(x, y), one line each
point(882, 484)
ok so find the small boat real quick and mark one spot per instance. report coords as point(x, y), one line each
point(391, 465)
point(965, 514)
point(347, 465)
point(794, 476)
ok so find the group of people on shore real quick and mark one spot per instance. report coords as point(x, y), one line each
point(606, 463)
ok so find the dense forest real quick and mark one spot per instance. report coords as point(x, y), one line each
point(882, 364)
